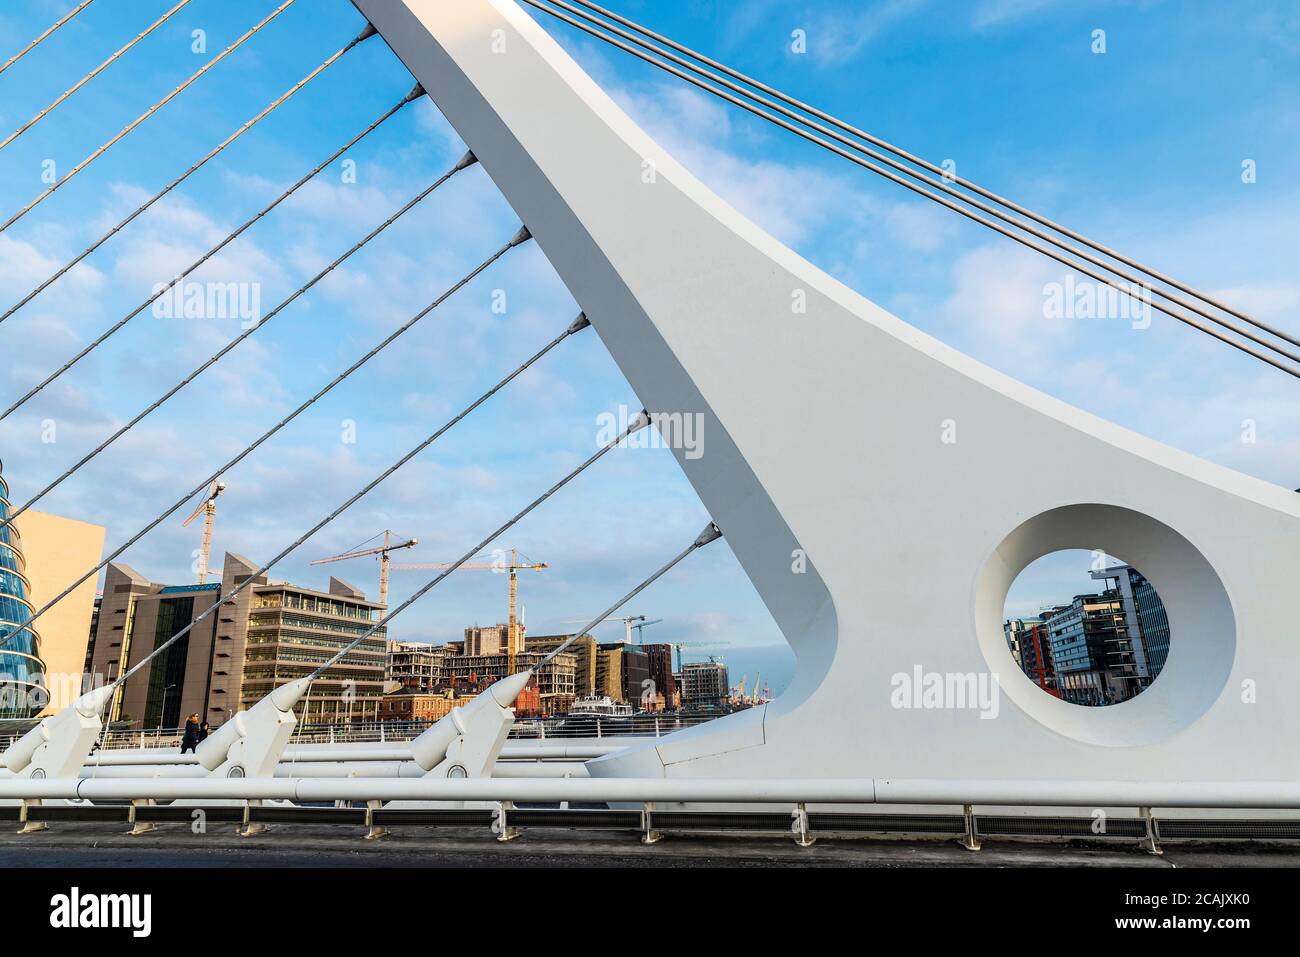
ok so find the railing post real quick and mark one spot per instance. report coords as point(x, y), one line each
point(1151, 842)
point(251, 828)
point(648, 834)
point(374, 832)
point(501, 824)
point(30, 827)
point(656, 726)
point(970, 840)
point(800, 826)
point(139, 827)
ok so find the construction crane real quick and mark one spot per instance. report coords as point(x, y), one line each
point(384, 560)
point(679, 645)
point(627, 624)
point(640, 638)
point(758, 683)
point(209, 508)
point(514, 566)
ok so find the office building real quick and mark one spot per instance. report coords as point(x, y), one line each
point(661, 673)
point(42, 668)
point(22, 672)
point(634, 676)
point(1032, 647)
point(1144, 613)
point(267, 635)
point(1092, 650)
point(609, 673)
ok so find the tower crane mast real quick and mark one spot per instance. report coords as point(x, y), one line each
point(383, 552)
point(209, 509)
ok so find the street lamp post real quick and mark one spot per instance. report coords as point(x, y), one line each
point(162, 714)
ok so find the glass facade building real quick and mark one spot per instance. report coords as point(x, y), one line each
point(22, 673)
point(1154, 621)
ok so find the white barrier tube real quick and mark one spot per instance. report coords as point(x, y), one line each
point(1262, 794)
point(307, 753)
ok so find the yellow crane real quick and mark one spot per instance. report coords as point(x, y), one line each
point(513, 566)
point(384, 560)
point(209, 508)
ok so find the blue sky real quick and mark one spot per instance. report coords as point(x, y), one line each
point(1140, 147)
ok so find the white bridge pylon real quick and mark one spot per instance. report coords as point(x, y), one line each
point(877, 546)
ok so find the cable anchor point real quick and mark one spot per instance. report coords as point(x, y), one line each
point(710, 534)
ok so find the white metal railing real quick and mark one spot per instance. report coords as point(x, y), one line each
point(822, 791)
point(562, 727)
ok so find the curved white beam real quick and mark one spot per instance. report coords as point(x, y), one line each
point(827, 432)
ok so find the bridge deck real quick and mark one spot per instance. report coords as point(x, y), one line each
point(173, 845)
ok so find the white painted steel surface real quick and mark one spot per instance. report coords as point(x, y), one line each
point(823, 433)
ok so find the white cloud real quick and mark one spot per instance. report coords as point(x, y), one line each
point(992, 13)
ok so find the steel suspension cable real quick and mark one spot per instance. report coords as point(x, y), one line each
point(520, 237)
point(931, 167)
point(126, 130)
point(224, 350)
point(942, 184)
point(92, 74)
point(357, 496)
point(248, 224)
point(950, 204)
point(48, 32)
point(711, 533)
point(212, 154)
point(640, 422)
